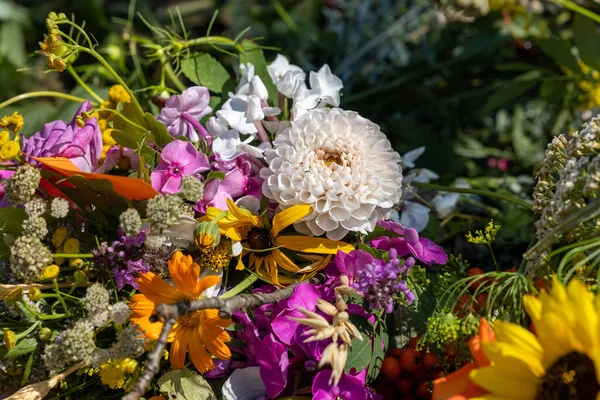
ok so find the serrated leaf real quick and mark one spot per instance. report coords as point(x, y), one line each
point(559, 52)
point(24, 346)
point(183, 384)
point(204, 70)
point(253, 54)
point(585, 33)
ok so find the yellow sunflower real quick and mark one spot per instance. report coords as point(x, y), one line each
point(264, 245)
point(561, 362)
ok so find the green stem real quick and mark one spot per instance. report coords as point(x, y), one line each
point(84, 85)
point(60, 299)
point(42, 317)
point(63, 255)
point(285, 16)
point(171, 74)
point(247, 282)
point(580, 10)
point(479, 192)
point(493, 257)
point(207, 40)
point(28, 331)
point(44, 93)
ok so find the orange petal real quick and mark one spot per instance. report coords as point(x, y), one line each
point(157, 290)
point(454, 384)
point(184, 272)
point(179, 348)
point(198, 354)
point(486, 332)
point(132, 188)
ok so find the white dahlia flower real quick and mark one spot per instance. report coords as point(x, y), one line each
point(341, 164)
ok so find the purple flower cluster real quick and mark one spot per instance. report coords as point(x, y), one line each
point(380, 281)
point(124, 258)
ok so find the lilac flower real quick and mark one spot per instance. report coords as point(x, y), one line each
point(380, 281)
point(274, 363)
point(124, 258)
point(409, 242)
point(82, 145)
point(178, 159)
point(348, 388)
point(182, 113)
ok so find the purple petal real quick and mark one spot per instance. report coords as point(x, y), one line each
point(273, 362)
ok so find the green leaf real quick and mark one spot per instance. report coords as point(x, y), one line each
point(586, 37)
point(158, 130)
point(24, 346)
point(253, 54)
point(372, 251)
point(183, 384)
point(559, 52)
point(215, 175)
point(511, 90)
point(204, 70)
point(359, 355)
point(11, 221)
point(377, 357)
point(554, 89)
point(379, 232)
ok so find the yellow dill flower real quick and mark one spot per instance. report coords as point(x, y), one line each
point(107, 138)
point(13, 123)
point(50, 272)
point(486, 236)
point(117, 94)
point(59, 236)
point(71, 246)
point(10, 339)
point(4, 137)
point(9, 150)
point(115, 372)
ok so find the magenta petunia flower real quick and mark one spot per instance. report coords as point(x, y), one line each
point(82, 145)
point(178, 159)
point(274, 363)
point(348, 388)
point(182, 113)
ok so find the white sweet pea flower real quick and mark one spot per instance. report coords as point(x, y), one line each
point(216, 126)
point(414, 215)
point(327, 85)
point(280, 67)
point(304, 100)
point(234, 113)
point(257, 88)
point(290, 82)
point(244, 384)
point(408, 159)
point(229, 145)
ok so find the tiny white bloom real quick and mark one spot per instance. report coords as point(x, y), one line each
point(290, 82)
point(254, 111)
point(257, 88)
point(327, 85)
point(280, 67)
point(408, 159)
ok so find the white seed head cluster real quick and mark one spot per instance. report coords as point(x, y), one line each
point(59, 208)
point(28, 258)
point(96, 303)
point(53, 358)
point(35, 207)
point(192, 189)
point(339, 163)
point(78, 343)
point(154, 242)
point(22, 185)
point(35, 226)
point(164, 211)
point(120, 312)
point(130, 222)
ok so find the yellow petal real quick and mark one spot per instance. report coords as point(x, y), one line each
point(519, 337)
point(283, 261)
point(243, 215)
point(513, 361)
point(489, 379)
point(585, 316)
point(285, 218)
point(312, 244)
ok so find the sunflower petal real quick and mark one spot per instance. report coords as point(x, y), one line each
point(283, 261)
point(489, 379)
point(285, 218)
point(312, 244)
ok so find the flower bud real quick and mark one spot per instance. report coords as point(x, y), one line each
point(45, 334)
point(50, 272)
point(76, 263)
point(80, 277)
point(34, 293)
point(10, 339)
point(207, 235)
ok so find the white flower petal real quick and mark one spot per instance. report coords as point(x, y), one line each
point(244, 384)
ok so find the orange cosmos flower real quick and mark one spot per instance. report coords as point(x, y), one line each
point(458, 385)
point(201, 332)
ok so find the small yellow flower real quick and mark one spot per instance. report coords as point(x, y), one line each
point(115, 372)
point(107, 138)
point(9, 150)
point(13, 123)
point(50, 272)
point(59, 236)
point(76, 263)
point(4, 137)
point(106, 104)
point(71, 246)
point(10, 339)
point(102, 124)
point(34, 293)
point(484, 237)
point(118, 94)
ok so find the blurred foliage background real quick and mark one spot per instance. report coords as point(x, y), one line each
point(482, 84)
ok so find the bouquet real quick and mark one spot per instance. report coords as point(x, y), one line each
point(231, 232)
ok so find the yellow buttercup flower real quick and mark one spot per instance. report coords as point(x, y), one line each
point(13, 123)
point(50, 272)
point(114, 373)
point(4, 137)
point(9, 150)
point(71, 246)
point(264, 246)
point(561, 362)
point(118, 94)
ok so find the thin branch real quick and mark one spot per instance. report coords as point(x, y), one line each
point(168, 314)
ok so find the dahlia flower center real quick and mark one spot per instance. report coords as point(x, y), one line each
point(190, 320)
point(331, 156)
point(215, 258)
point(259, 239)
point(573, 376)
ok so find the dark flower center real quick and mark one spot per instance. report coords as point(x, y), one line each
point(259, 239)
point(573, 376)
point(176, 171)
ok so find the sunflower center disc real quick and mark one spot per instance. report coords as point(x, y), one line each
point(259, 239)
point(573, 376)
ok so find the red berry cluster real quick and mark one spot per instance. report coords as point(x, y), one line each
point(408, 373)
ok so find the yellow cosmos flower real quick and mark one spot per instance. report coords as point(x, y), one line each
point(264, 246)
point(561, 362)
